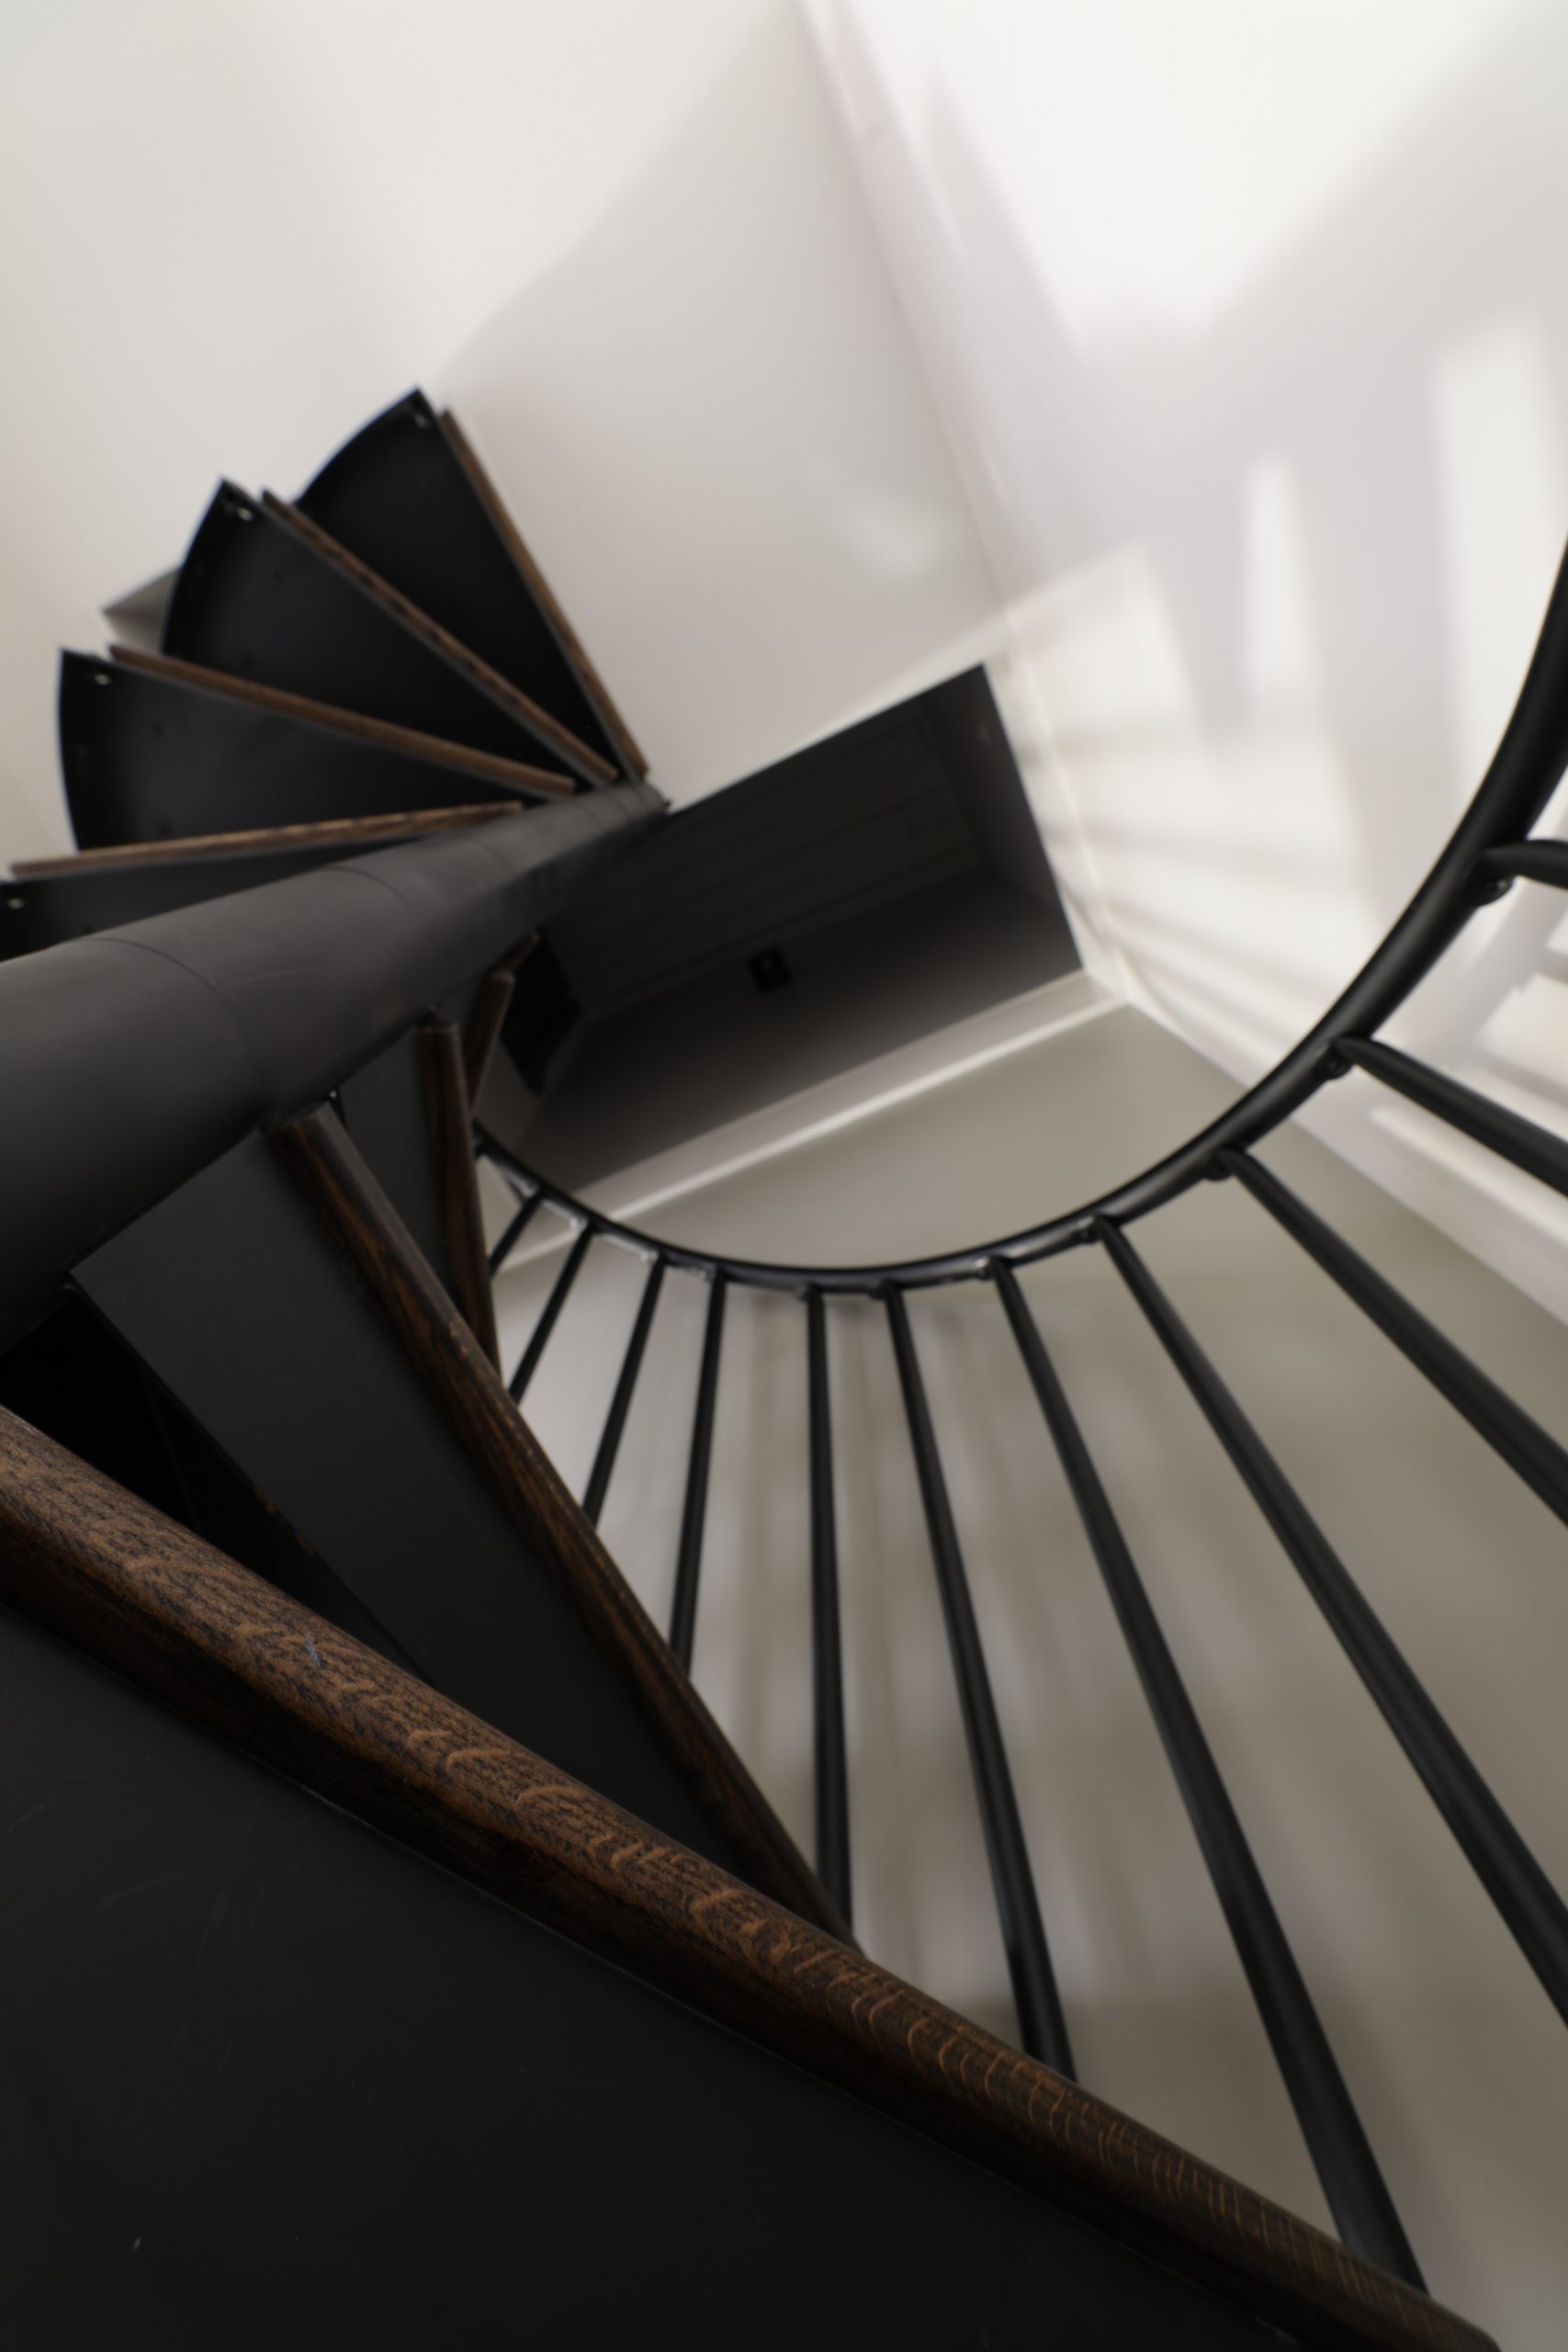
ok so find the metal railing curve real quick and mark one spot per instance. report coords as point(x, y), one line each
point(1487, 852)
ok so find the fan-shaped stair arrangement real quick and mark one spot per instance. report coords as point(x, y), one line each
point(613, 2069)
point(382, 659)
point(409, 498)
point(157, 749)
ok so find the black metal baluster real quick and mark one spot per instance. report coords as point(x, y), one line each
point(689, 1557)
point(1539, 1461)
point(1042, 2029)
point(621, 1403)
point(826, 1653)
point(1518, 1885)
point(1531, 1148)
point(1532, 861)
point(1357, 2195)
point(509, 1240)
point(546, 1322)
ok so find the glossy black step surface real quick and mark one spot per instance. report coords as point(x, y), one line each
point(275, 2081)
point(148, 758)
point(254, 597)
point(399, 496)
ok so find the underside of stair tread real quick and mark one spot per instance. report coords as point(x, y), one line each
point(632, 756)
point(311, 2172)
point(84, 896)
point(530, 714)
point(517, 776)
point(202, 1634)
point(154, 751)
point(258, 597)
point(407, 496)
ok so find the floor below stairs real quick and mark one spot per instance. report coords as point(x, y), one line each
point(637, 1081)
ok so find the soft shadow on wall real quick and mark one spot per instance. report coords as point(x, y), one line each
point(1273, 565)
point(239, 231)
point(708, 418)
point(184, 287)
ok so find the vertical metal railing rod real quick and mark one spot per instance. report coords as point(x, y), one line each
point(1524, 1446)
point(1533, 861)
point(827, 1651)
point(513, 1233)
point(1357, 2195)
point(538, 1336)
point(1042, 2027)
point(621, 1402)
point(1518, 1885)
point(689, 1555)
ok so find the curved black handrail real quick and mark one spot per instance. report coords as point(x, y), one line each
point(1482, 856)
point(1525, 770)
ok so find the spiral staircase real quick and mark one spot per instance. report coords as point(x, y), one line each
point(399, 1951)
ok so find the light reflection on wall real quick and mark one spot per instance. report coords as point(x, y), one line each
point(1248, 330)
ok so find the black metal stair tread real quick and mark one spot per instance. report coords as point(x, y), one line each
point(301, 2037)
point(198, 1631)
point(518, 776)
point(259, 598)
point(538, 721)
point(155, 750)
point(408, 495)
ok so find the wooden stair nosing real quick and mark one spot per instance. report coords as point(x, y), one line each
point(501, 691)
point(193, 848)
point(464, 1384)
point(566, 637)
point(448, 1114)
point(109, 1573)
point(397, 494)
point(526, 782)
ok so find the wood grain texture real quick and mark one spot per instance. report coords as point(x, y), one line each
point(110, 1573)
point(352, 833)
point(449, 1117)
point(466, 1385)
point(572, 645)
point(529, 714)
point(493, 1000)
point(514, 774)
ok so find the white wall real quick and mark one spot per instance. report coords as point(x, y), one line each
point(1246, 332)
point(624, 240)
point(1249, 330)
point(1456, 2059)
